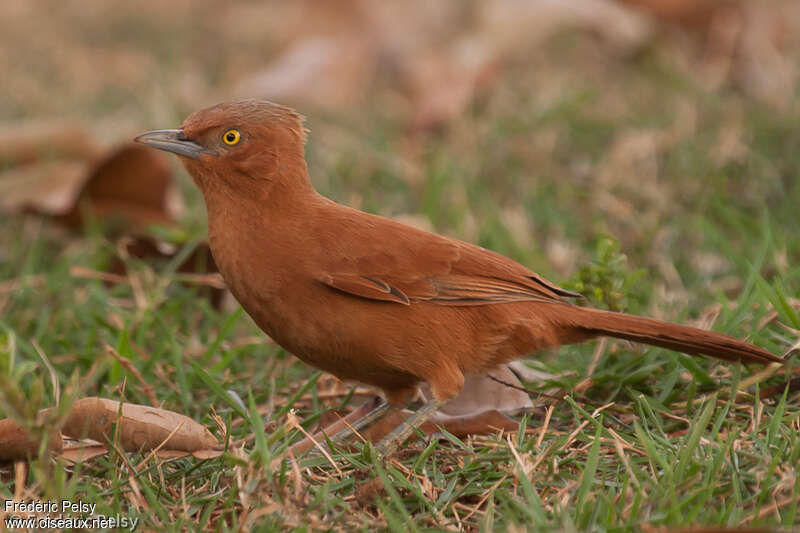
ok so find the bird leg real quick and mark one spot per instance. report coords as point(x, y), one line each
point(344, 429)
point(380, 411)
point(398, 436)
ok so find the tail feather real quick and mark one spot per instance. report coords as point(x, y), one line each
point(684, 339)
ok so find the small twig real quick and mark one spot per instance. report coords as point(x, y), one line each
point(618, 446)
point(544, 427)
point(78, 271)
point(488, 492)
point(541, 394)
point(598, 353)
point(292, 419)
point(769, 509)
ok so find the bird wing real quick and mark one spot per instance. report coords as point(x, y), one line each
point(406, 265)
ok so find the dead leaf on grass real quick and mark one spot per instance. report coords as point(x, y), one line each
point(53, 175)
point(16, 442)
point(130, 185)
point(81, 453)
point(21, 144)
point(91, 423)
point(141, 427)
point(482, 393)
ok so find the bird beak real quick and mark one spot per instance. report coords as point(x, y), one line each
point(174, 141)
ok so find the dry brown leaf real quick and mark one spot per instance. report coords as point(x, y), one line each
point(34, 141)
point(172, 454)
point(16, 443)
point(47, 188)
point(205, 455)
point(141, 427)
point(83, 453)
point(482, 393)
point(484, 423)
point(130, 184)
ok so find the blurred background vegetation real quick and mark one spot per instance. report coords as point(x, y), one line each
point(645, 152)
point(533, 128)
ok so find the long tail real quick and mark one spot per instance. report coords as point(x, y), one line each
point(686, 339)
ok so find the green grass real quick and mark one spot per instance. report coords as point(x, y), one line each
point(677, 231)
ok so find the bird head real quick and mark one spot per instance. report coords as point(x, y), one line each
point(247, 145)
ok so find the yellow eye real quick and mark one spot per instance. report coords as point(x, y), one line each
point(231, 137)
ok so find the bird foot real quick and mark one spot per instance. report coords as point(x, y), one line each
point(391, 442)
point(345, 435)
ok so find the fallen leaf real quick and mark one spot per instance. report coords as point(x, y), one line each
point(82, 454)
point(526, 373)
point(482, 393)
point(172, 454)
point(130, 185)
point(205, 455)
point(25, 143)
point(141, 427)
point(48, 188)
point(484, 423)
point(17, 444)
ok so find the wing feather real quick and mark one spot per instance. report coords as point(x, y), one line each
point(411, 265)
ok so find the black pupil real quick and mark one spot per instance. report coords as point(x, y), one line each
point(231, 136)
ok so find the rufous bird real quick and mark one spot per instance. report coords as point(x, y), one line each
point(367, 298)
